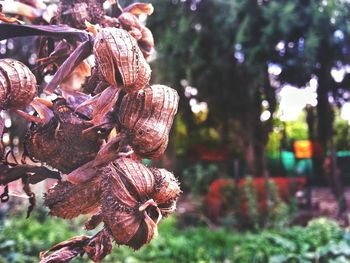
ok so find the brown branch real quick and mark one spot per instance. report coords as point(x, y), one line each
point(34, 173)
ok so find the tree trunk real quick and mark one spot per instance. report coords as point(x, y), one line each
point(250, 158)
point(325, 134)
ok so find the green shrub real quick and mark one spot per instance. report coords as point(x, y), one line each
point(322, 240)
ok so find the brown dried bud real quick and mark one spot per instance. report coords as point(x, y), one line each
point(67, 200)
point(63, 136)
point(75, 13)
point(17, 84)
point(141, 33)
point(96, 247)
point(131, 207)
point(167, 190)
point(120, 60)
point(147, 115)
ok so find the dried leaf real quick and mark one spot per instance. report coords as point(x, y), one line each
point(62, 255)
point(82, 174)
point(139, 8)
point(99, 246)
point(73, 61)
point(35, 174)
point(65, 251)
point(57, 32)
point(21, 9)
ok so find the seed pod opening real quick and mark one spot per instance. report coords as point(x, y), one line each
point(167, 190)
point(120, 60)
point(17, 84)
point(129, 208)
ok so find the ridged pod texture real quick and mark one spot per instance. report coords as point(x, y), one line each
point(17, 84)
point(129, 208)
point(68, 200)
point(120, 60)
point(148, 115)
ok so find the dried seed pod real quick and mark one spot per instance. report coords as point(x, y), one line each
point(62, 137)
point(129, 208)
point(167, 190)
point(141, 33)
point(75, 13)
point(17, 84)
point(147, 115)
point(120, 60)
point(67, 200)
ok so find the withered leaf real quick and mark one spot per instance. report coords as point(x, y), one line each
point(65, 251)
point(57, 32)
point(63, 255)
point(79, 54)
point(35, 174)
point(99, 246)
point(139, 8)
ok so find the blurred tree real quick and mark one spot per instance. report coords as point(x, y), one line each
point(225, 48)
point(200, 48)
point(313, 37)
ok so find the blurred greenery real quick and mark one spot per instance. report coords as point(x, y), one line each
point(197, 178)
point(322, 240)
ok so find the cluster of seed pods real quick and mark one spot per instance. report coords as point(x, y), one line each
point(127, 196)
point(96, 138)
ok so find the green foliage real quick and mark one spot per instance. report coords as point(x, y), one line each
point(197, 178)
point(273, 146)
point(251, 197)
point(22, 239)
point(180, 136)
point(322, 240)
